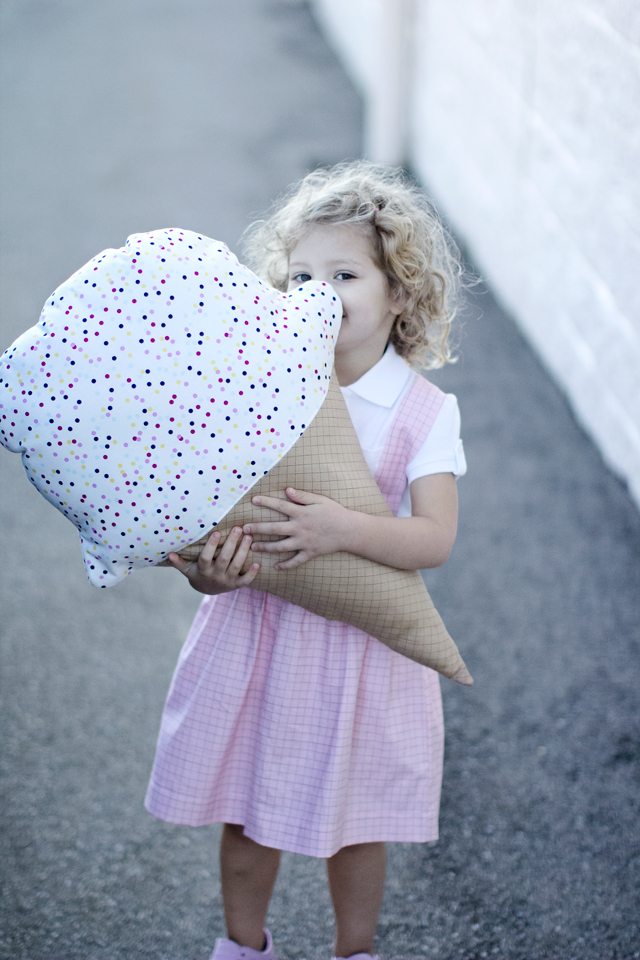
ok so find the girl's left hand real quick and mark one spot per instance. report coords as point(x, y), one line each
point(314, 526)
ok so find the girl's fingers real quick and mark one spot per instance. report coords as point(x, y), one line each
point(279, 527)
point(178, 563)
point(274, 546)
point(208, 551)
point(239, 557)
point(273, 503)
point(299, 496)
point(228, 549)
point(249, 576)
point(297, 561)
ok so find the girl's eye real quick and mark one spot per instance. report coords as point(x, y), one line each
point(344, 275)
point(302, 277)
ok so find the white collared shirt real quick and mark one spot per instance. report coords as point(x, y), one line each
point(373, 402)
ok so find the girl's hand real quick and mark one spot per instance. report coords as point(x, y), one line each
point(312, 526)
point(207, 575)
point(316, 525)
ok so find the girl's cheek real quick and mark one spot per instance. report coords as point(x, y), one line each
point(343, 338)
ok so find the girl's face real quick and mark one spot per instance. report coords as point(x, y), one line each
point(341, 254)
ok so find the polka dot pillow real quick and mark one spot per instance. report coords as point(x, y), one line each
point(162, 384)
point(163, 380)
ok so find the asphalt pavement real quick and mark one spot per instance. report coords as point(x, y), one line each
point(120, 117)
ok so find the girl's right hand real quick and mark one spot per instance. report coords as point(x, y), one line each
point(207, 575)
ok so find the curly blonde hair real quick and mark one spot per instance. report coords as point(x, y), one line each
point(409, 241)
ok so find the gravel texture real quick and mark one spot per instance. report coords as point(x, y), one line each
point(122, 117)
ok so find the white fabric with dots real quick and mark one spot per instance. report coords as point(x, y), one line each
point(163, 380)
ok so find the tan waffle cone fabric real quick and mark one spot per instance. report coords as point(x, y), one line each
point(391, 605)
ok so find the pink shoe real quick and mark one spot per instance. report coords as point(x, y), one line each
point(358, 956)
point(230, 950)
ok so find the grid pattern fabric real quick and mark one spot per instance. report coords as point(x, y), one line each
point(389, 604)
point(308, 732)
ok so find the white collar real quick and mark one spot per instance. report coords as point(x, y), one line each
point(385, 381)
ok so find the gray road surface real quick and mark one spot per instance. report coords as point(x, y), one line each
point(124, 116)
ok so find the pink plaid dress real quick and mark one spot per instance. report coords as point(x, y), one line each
point(310, 733)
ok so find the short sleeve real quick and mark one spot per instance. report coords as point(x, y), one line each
point(442, 451)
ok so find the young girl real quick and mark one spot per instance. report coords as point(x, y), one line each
point(299, 733)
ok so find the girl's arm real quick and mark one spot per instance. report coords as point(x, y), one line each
point(317, 526)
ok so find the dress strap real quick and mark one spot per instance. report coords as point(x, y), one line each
point(406, 435)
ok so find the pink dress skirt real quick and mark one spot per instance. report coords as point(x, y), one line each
point(308, 732)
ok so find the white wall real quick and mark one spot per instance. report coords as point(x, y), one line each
point(523, 119)
point(373, 37)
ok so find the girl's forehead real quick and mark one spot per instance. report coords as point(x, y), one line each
point(334, 240)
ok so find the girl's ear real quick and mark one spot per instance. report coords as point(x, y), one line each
point(398, 298)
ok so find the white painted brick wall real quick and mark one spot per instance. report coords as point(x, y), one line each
point(523, 119)
point(372, 37)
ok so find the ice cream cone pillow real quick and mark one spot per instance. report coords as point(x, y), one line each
point(162, 380)
point(164, 386)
